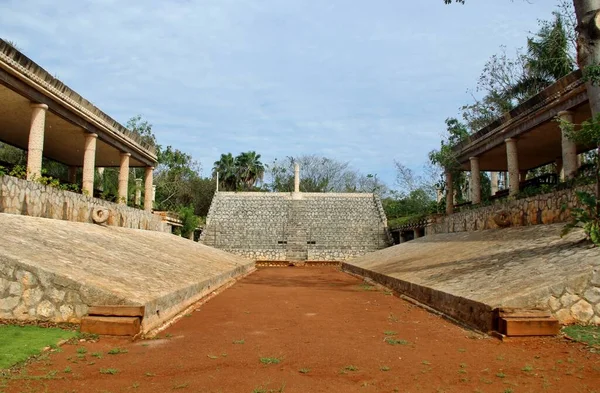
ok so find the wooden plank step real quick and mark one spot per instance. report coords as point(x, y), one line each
point(528, 326)
point(117, 311)
point(523, 313)
point(112, 326)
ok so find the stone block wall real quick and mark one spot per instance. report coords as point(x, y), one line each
point(18, 196)
point(262, 226)
point(538, 209)
point(30, 293)
point(578, 301)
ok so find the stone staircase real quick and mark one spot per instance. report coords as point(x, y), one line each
point(113, 320)
point(296, 234)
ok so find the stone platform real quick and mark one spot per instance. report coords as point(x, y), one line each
point(54, 270)
point(467, 275)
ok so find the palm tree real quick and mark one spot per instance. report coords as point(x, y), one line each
point(226, 168)
point(249, 169)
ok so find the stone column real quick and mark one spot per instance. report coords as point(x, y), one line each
point(138, 192)
point(89, 164)
point(35, 149)
point(475, 180)
point(148, 205)
point(569, 148)
point(72, 174)
point(296, 177)
point(449, 194)
point(124, 178)
point(494, 181)
point(512, 159)
point(559, 169)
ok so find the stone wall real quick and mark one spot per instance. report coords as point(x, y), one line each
point(31, 293)
point(538, 209)
point(29, 198)
point(320, 226)
point(578, 301)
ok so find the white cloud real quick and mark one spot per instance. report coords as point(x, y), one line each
point(365, 82)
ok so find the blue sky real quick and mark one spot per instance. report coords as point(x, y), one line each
point(360, 81)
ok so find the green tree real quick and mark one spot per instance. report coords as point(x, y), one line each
point(249, 169)
point(227, 172)
point(446, 159)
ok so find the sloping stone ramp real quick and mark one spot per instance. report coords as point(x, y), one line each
point(55, 270)
point(467, 275)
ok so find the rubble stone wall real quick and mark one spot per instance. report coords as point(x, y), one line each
point(18, 196)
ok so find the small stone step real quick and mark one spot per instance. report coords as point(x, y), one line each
point(111, 326)
point(117, 311)
point(528, 326)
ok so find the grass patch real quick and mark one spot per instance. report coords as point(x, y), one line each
point(270, 360)
point(350, 368)
point(264, 389)
point(585, 334)
point(304, 370)
point(239, 341)
point(97, 355)
point(384, 368)
point(390, 333)
point(527, 368)
point(393, 341)
point(109, 371)
point(18, 343)
point(117, 351)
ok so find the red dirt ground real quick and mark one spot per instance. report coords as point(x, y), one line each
point(321, 321)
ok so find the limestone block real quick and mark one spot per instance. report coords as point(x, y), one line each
point(27, 279)
point(568, 299)
point(32, 296)
point(595, 320)
point(45, 309)
point(9, 303)
point(582, 311)
point(55, 295)
point(6, 271)
point(592, 295)
point(554, 303)
point(15, 289)
point(564, 316)
point(66, 312)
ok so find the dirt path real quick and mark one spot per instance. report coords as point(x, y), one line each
point(328, 331)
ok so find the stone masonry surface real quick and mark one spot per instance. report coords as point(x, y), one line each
point(29, 198)
point(54, 270)
point(538, 209)
point(468, 274)
point(305, 226)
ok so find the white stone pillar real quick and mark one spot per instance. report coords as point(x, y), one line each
point(569, 148)
point(559, 169)
point(475, 180)
point(148, 205)
point(72, 174)
point(449, 194)
point(124, 178)
point(138, 192)
point(89, 164)
point(494, 181)
point(512, 159)
point(35, 149)
point(296, 177)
